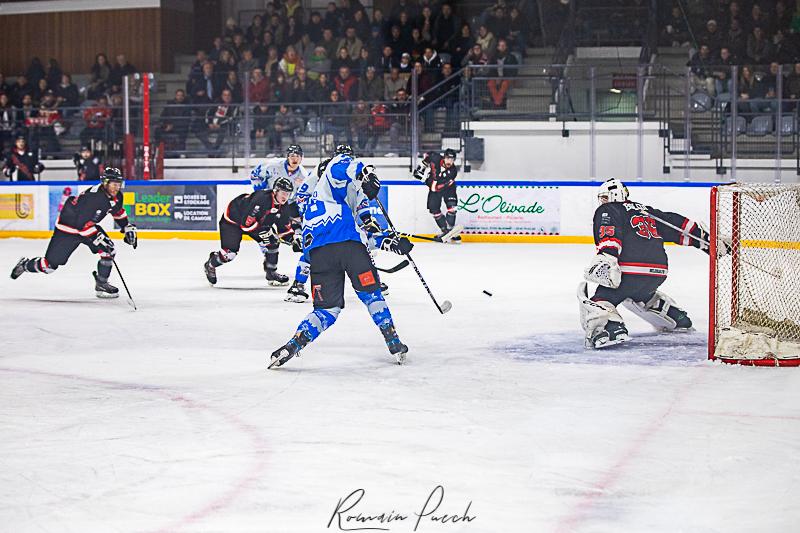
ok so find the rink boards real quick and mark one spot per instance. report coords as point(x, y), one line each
point(490, 211)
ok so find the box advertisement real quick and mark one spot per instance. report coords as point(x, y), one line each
point(504, 209)
point(172, 207)
point(17, 206)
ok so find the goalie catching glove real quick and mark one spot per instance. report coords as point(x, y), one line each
point(130, 235)
point(604, 270)
point(396, 243)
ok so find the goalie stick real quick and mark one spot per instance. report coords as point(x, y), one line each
point(446, 304)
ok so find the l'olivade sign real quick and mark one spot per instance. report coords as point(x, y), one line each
point(511, 210)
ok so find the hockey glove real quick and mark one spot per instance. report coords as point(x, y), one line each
point(396, 243)
point(370, 183)
point(370, 224)
point(9, 170)
point(604, 270)
point(422, 172)
point(103, 243)
point(131, 236)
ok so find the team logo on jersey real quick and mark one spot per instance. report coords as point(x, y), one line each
point(366, 278)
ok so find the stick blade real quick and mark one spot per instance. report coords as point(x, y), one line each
point(446, 306)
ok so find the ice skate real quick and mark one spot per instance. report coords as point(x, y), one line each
point(275, 279)
point(613, 333)
point(103, 289)
point(19, 268)
point(296, 293)
point(211, 270)
point(396, 347)
point(280, 356)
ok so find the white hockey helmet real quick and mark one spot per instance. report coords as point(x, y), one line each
point(612, 190)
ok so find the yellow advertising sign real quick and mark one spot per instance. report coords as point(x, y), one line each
point(16, 207)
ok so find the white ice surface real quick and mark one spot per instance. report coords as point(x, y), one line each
point(166, 419)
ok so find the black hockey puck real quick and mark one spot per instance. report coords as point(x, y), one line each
point(487, 293)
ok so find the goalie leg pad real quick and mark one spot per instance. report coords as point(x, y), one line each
point(600, 320)
point(661, 312)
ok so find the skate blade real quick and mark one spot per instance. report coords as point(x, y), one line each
point(105, 295)
point(274, 283)
point(295, 299)
point(281, 360)
point(401, 358)
point(607, 343)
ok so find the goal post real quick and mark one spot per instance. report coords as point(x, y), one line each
point(754, 279)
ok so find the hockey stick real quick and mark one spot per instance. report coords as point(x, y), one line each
point(447, 237)
point(399, 266)
point(703, 241)
point(130, 298)
point(446, 304)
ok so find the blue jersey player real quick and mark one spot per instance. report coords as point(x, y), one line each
point(335, 246)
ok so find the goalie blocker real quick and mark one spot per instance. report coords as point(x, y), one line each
point(630, 266)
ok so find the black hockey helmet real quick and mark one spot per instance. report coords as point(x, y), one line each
point(283, 184)
point(449, 153)
point(294, 149)
point(112, 174)
point(85, 148)
point(344, 149)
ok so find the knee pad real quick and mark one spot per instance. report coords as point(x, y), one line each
point(595, 315)
point(226, 256)
point(661, 312)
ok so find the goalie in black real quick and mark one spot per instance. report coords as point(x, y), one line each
point(630, 265)
point(439, 172)
point(78, 224)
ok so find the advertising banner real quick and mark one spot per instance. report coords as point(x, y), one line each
point(172, 207)
point(525, 210)
point(59, 195)
point(19, 206)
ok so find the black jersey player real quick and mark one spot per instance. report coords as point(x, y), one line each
point(78, 223)
point(439, 172)
point(630, 265)
point(267, 216)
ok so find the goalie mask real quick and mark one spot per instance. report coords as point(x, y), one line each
point(613, 190)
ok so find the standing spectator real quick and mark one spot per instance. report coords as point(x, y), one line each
point(285, 123)
point(393, 83)
point(20, 90)
point(100, 73)
point(8, 122)
point(359, 124)
point(461, 44)
point(205, 89)
point(517, 31)
point(196, 70)
point(87, 164)
point(370, 86)
point(346, 84)
point(332, 19)
point(53, 74)
point(22, 163)
point(290, 62)
point(237, 47)
point(342, 59)
point(234, 86)
point(361, 25)
point(293, 31)
point(783, 17)
point(318, 63)
point(404, 24)
point(259, 87)
point(351, 43)
point(758, 20)
point(336, 120)
point(28, 127)
point(278, 30)
point(48, 110)
point(400, 115)
point(426, 20)
point(381, 22)
point(4, 86)
point(97, 118)
point(784, 49)
point(397, 42)
point(262, 121)
point(497, 21)
point(119, 71)
point(220, 121)
point(425, 83)
point(176, 118)
point(736, 39)
point(248, 64)
point(449, 97)
point(505, 70)
point(445, 28)
point(417, 43)
point(403, 6)
point(35, 71)
point(314, 27)
point(702, 75)
point(255, 29)
point(759, 48)
point(675, 32)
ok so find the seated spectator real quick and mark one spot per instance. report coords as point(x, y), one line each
point(231, 29)
point(206, 88)
point(262, 122)
point(259, 87)
point(255, 30)
point(759, 49)
point(365, 61)
point(314, 27)
point(405, 65)
point(426, 20)
point(234, 86)
point(305, 47)
point(53, 74)
point(476, 56)
point(793, 83)
point(8, 122)
point(276, 26)
point(675, 32)
point(97, 118)
point(20, 90)
point(431, 61)
point(387, 60)
point(321, 90)
point(712, 37)
point(359, 124)
point(722, 73)
point(49, 112)
point(399, 109)
point(701, 72)
point(397, 42)
point(375, 43)
point(100, 74)
point(196, 70)
point(773, 82)
point(486, 40)
point(758, 19)
point(21, 162)
point(25, 126)
point(329, 43)
point(783, 17)
point(4, 86)
point(39, 90)
point(302, 90)
point(225, 64)
point(361, 24)
point(88, 164)
point(393, 82)
point(119, 71)
point(749, 88)
point(290, 62)
point(346, 84)
point(445, 28)
point(784, 49)
point(342, 59)
point(332, 18)
point(284, 123)
point(517, 31)
point(417, 44)
point(503, 73)
point(281, 89)
point(220, 121)
point(247, 64)
point(176, 119)
point(318, 63)
point(379, 124)
point(370, 86)
point(237, 47)
point(271, 65)
point(462, 44)
point(336, 120)
point(351, 43)
point(217, 46)
point(403, 6)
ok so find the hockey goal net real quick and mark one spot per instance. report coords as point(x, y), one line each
point(754, 304)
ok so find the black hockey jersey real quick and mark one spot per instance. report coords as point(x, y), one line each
point(24, 163)
point(81, 214)
point(258, 211)
point(627, 231)
point(88, 169)
point(440, 177)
